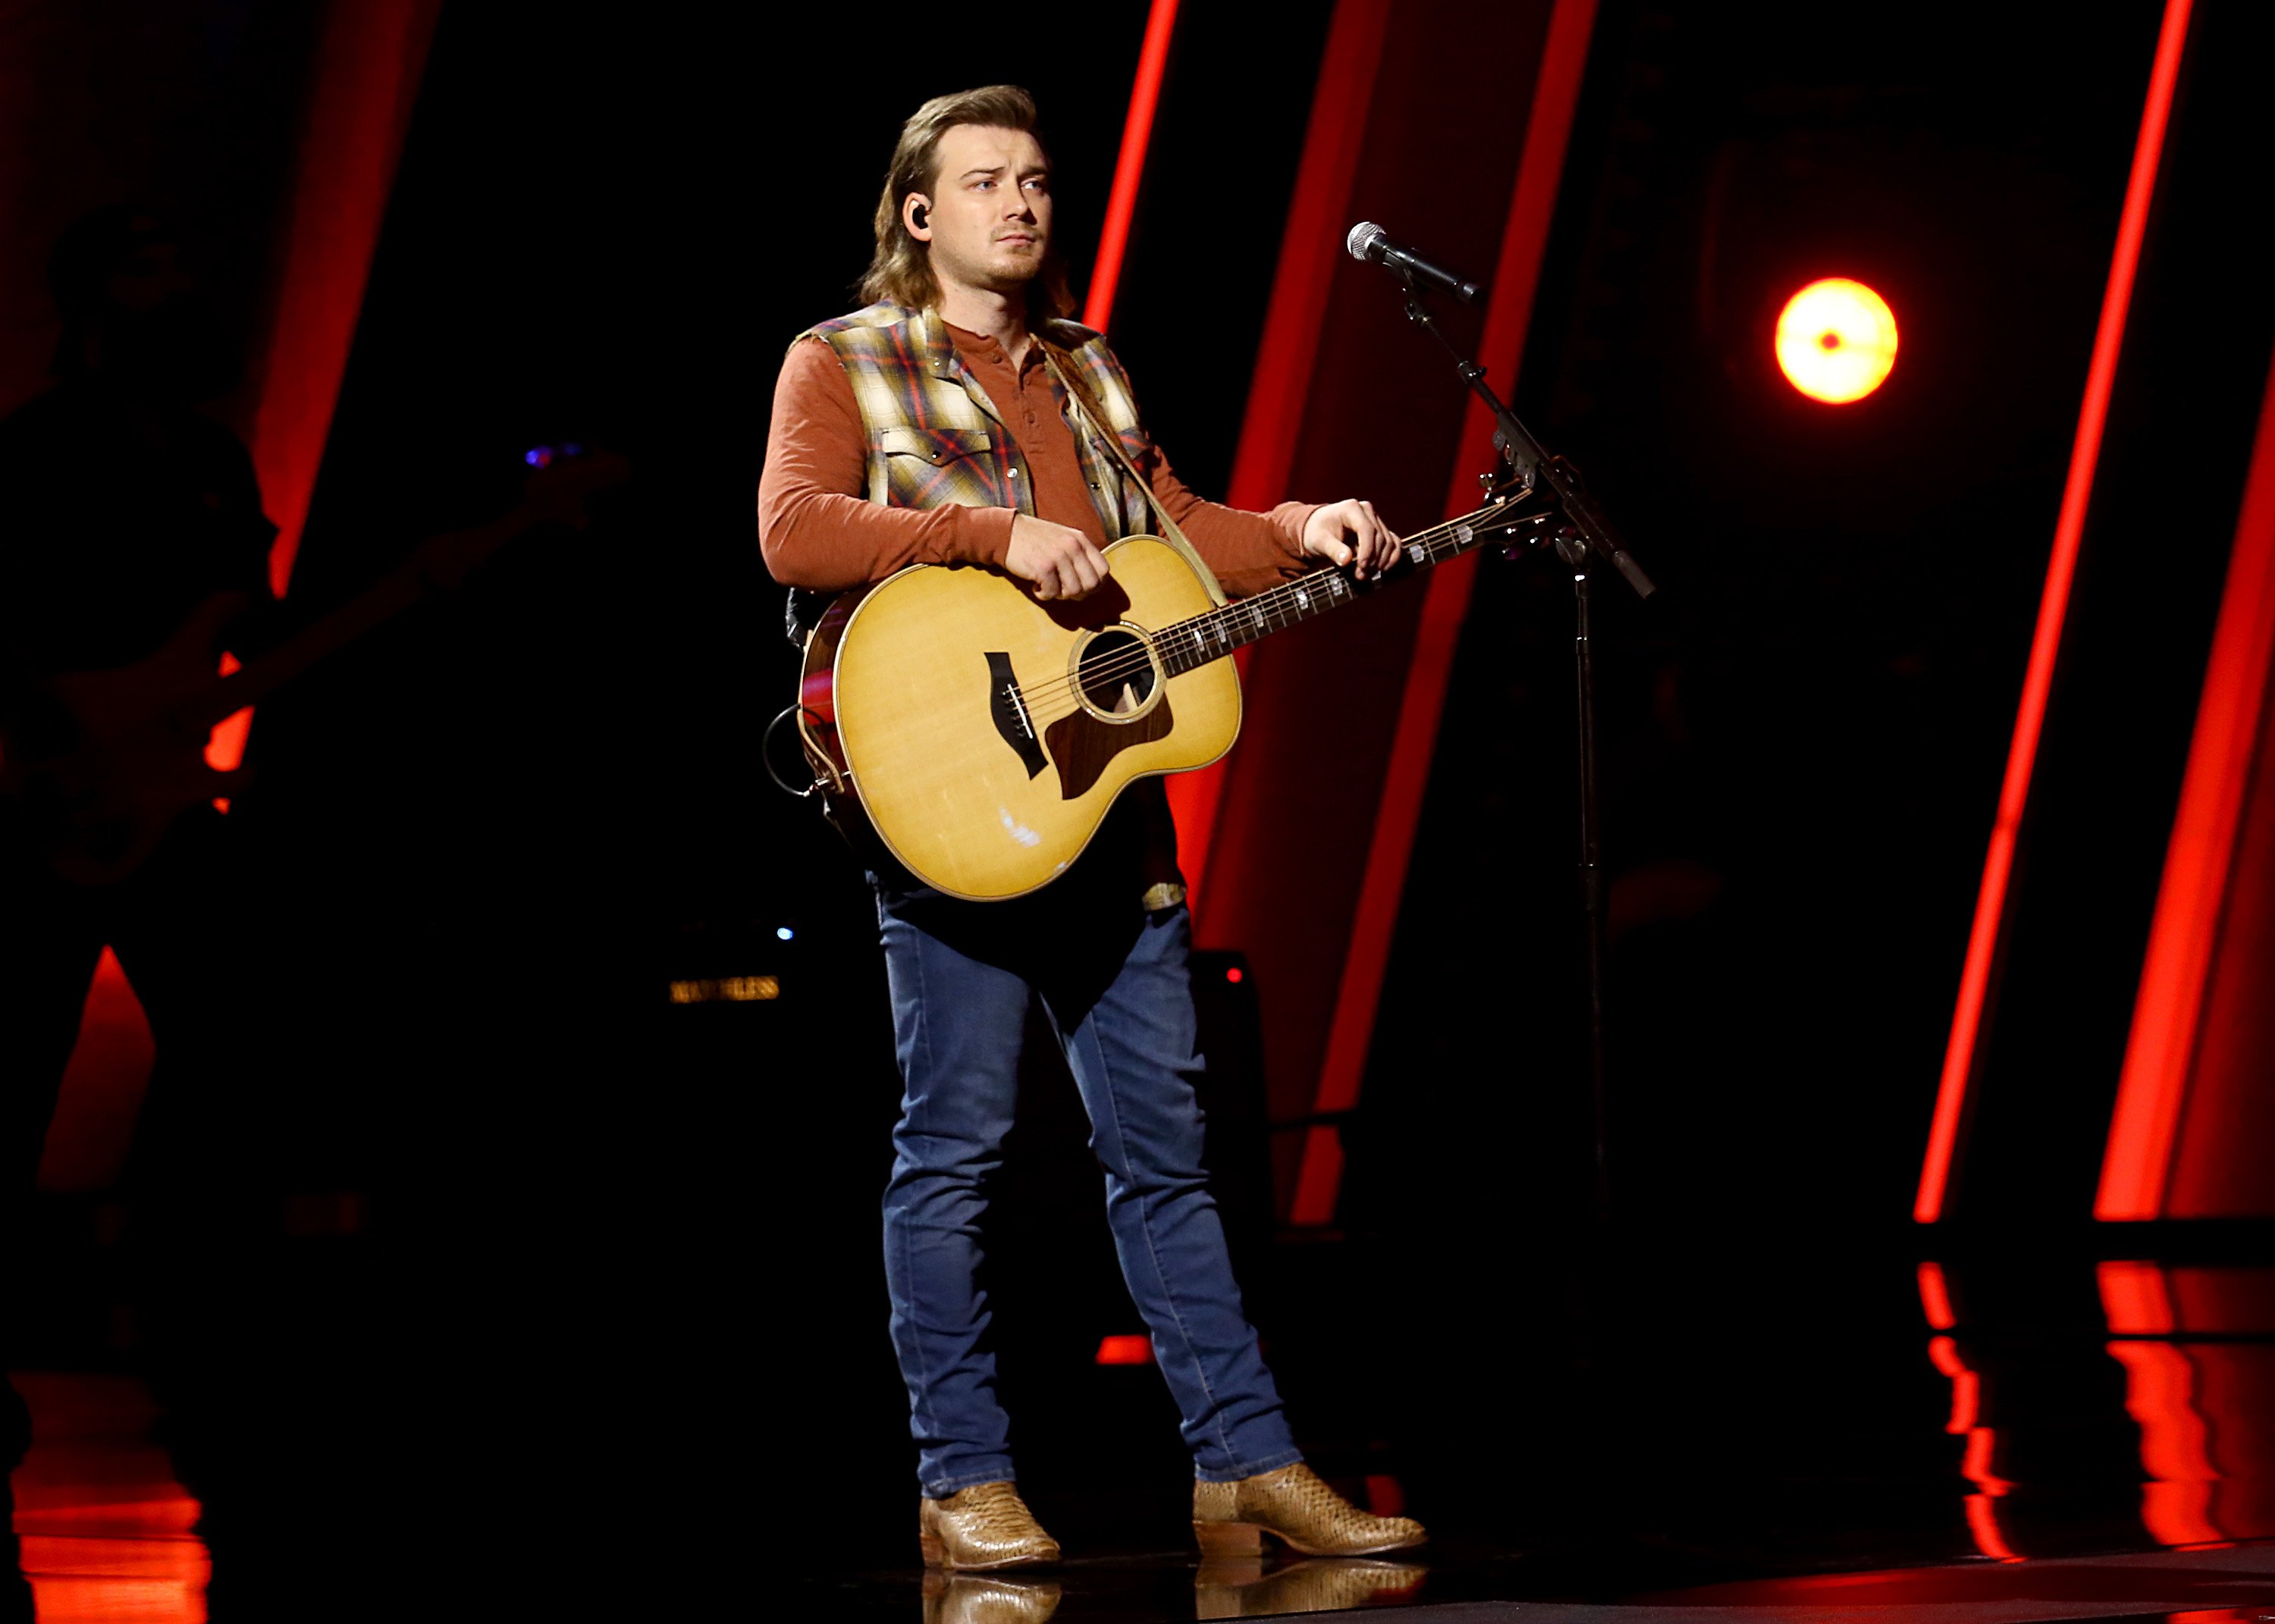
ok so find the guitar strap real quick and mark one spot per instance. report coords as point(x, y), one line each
point(1078, 390)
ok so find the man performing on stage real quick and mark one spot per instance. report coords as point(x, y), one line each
point(868, 469)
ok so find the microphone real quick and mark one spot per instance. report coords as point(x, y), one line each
point(1367, 241)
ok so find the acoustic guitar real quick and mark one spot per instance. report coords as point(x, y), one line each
point(986, 733)
point(96, 766)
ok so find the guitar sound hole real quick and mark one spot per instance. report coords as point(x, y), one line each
point(1115, 674)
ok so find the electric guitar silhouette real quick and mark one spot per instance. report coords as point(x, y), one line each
point(96, 766)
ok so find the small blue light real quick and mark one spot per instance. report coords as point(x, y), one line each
point(783, 933)
point(535, 459)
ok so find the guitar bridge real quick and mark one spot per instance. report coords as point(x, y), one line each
point(1010, 712)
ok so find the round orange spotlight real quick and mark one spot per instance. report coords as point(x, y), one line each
point(1836, 341)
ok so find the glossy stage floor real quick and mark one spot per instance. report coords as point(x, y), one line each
point(2024, 1431)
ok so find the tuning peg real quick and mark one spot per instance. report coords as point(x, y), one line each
point(1526, 534)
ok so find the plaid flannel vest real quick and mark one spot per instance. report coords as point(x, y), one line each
point(935, 438)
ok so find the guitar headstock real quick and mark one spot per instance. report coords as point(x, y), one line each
point(563, 477)
point(1503, 488)
point(1507, 511)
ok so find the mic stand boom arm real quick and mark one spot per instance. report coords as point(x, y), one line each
point(1529, 458)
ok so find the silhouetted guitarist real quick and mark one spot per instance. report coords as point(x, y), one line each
point(121, 509)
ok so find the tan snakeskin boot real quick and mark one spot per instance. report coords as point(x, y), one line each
point(985, 1526)
point(1294, 1505)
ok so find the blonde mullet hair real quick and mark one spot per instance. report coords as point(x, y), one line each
point(901, 270)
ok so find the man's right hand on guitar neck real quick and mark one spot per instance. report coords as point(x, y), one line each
point(1058, 560)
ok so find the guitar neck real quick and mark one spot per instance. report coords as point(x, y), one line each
point(398, 590)
point(1195, 642)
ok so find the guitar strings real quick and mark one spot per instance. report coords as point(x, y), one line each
point(1295, 592)
point(1263, 604)
point(1040, 701)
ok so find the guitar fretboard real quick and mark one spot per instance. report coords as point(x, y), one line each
point(1195, 642)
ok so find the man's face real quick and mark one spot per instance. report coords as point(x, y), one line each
point(989, 215)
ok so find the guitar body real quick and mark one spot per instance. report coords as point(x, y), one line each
point(112, 758)
point(987, 735)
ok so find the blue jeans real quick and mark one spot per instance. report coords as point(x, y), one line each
point(1114, 984)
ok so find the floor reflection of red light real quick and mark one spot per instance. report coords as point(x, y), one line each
point(2156, 1584)
point(1935, 1297)
point(1982, 1522)
point(1982, 1448)
point(106, 1533)
point(1966, 1416)
point(2205, 1401)
point(1965, 1385)
point(2176, 1501)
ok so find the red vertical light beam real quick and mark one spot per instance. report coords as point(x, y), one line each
point(1129, 168)
point(2166, 1015)
point(365, 82)
point(362, 87)
point(2054, 606)
point(1290, 346)
point(1516, 275)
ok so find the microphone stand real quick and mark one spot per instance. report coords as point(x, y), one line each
point(1586, 532)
